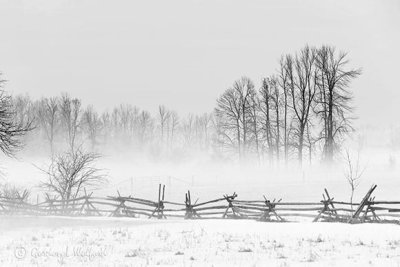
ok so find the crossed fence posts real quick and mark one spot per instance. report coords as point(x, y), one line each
point(226, 207)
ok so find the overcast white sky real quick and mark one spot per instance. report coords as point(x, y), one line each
point(185, 53)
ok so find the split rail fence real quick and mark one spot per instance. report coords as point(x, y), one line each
point(226, 207)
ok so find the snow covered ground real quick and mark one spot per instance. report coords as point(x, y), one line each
point(38, 241)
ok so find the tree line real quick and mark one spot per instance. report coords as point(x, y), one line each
point(304, 109)
point(64, 124)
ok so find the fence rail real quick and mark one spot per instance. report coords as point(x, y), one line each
point(228, 206)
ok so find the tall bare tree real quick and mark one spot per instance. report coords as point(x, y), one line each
point(302, 74)
point(266, 115)
point(334, 98)
point(228, 121)
point(234, 115)
point(283, 81)
point(277, 104)
point(246, 91)
point(255, 123)
point(92, 125)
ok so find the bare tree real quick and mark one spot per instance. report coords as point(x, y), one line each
point(164, 115)
point(276, 100)
point(245, 89)
point(146, 125)
point(48, 111)
point(353, 173)
point(206, 121)
point(70, 112)
point(255, 122)
point(174, 125)
point(302, 75)
point(266, 116)
point(11, 129)
point(234, 115)
point(334, 98)
point(228, 115)
point(71, 172)
point(188, 130)
point(24, 108)
point(283, 81)
point(92, 125)
point(107, 127)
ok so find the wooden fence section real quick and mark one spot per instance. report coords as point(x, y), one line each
point(226, 207)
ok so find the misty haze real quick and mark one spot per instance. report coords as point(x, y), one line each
point(199, 133)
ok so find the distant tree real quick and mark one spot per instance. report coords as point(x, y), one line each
point(233, 114)
point(164, 116)
point(146, 125)
point(107, 127)
point(256, 128)
point(92, 125)
point(283, 81)
point(266, 114)
point(302, 75)
point(174, 123)
point(70, 110)
point(334, 98)
point(47, 117)
point(206, 124)
point(228, 115)
point(188, 130)
point(24, 108)
point(277, 104)
point(246, 91)
point(12, 130)
point(126, 114)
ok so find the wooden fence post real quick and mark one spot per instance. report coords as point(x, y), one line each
point(326, 210)
point(190, 213)
point(160, 204)
point(230, 206)
point(364, 202)
point(266, 216)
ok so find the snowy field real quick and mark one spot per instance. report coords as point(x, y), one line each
point(54, 241)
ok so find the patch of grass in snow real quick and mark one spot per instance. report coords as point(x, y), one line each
point(276, 244)
point(281, 256)
point(312, 256)
point(245, 250)
point(360, 243)
point(319, 239)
